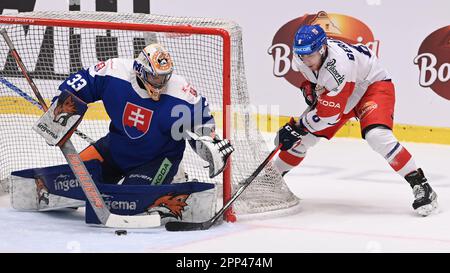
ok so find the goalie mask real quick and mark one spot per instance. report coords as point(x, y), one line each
point(154, 68)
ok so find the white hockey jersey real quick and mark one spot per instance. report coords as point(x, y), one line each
point(341, 82)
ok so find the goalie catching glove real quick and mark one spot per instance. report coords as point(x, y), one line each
point(211, 149)
point(61, 119)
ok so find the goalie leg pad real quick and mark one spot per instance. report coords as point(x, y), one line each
point(173, 202)
point(201, 206)
point(4, 186)
point(49, 188)
point(29, 194)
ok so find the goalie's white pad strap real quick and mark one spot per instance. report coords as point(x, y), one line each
point(61, 119)
point(28, 194)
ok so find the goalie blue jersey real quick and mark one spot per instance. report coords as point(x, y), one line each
point(141, 130)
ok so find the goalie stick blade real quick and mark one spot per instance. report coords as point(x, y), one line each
point(134, 221)
point(186, 226)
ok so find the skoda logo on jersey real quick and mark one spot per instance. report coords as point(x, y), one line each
point(136, 120)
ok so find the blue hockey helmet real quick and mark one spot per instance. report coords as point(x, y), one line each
point(309, 39)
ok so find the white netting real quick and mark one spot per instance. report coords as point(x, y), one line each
point(51, 52)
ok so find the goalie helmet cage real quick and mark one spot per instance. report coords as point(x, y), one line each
point(207, 52)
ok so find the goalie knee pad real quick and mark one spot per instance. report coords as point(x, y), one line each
point(190, 201)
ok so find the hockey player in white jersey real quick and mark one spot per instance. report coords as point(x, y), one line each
point(345, 81)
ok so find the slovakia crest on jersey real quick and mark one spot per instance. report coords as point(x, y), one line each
point(136, 120)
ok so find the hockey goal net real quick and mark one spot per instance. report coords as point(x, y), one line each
point(207, 52)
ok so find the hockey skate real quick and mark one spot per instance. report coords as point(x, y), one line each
point(425, 198)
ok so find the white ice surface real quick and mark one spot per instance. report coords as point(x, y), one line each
point(351, 202)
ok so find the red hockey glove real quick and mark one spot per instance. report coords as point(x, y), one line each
point(308, 89)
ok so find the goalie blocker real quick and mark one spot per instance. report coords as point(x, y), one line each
point(61, 119)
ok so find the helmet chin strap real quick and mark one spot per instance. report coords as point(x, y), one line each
point(322, 50)
point(153, 92)
point(323, 54)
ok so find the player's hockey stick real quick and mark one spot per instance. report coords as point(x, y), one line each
point(36, 103)
point(81, 173)
point(189, 226)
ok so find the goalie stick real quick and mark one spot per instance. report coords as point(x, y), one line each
point(91, 191)
point(189, 226)
point(36, 103)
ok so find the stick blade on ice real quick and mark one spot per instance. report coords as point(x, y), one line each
point(186, 226)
